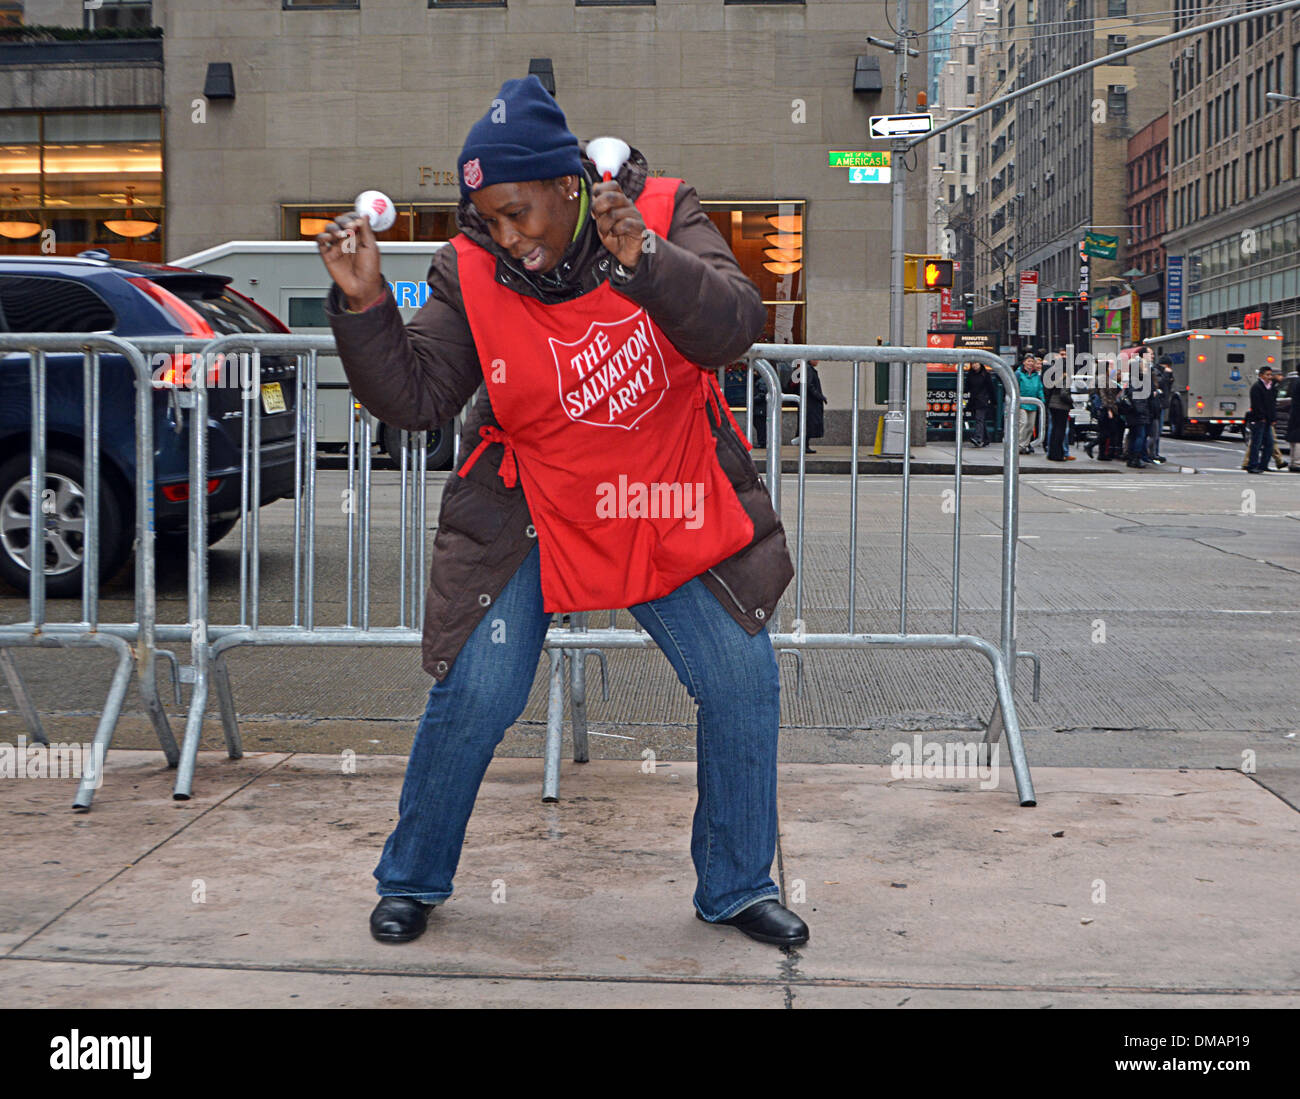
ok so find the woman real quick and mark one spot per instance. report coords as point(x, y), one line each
point(1059, 404)
point(592, 312)
point(980, 401)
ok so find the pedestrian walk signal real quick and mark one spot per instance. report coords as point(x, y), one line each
point(926, 274)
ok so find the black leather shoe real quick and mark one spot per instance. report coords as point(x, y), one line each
point(399, 919)
point(768, 922)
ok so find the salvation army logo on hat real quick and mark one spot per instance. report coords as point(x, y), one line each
point(473, 174)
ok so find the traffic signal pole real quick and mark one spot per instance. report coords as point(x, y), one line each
point(896, 435)
point(897, 416)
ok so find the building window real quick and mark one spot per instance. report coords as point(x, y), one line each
point(970, 85)
point(943, 143)
point(78, 173)
point(970, 55)
point(767, 239)
point(1117, 100)
point(952, 194)
point(120, 13)
point(1116, 8)
point(1115, 43)
point(963, 163)
point(322, 3)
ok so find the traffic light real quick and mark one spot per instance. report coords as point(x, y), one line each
point(969, 301)
point(926, 274)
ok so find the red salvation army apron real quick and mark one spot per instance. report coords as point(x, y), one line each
point(603, 422)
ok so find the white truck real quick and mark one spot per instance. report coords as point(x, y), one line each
point(1214, 369)
point(288, 279)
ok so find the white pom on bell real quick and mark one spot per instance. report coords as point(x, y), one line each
point(609, 154)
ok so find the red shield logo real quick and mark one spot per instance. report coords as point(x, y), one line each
point(473, 174)
point(614, 375)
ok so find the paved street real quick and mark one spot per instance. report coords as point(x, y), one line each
point(1190, 582)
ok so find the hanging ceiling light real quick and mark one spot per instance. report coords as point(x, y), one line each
point(778, 268)
point(786, 223)
point(785, 240)
point(13, 225)
point(784, 255)
point(128, 226)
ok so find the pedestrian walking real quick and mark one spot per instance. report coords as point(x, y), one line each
point(1031, 385)
point(815, 419)
point(1135, 407)
point(1293, 423)
point(1059, 404)
point(1260, 420)
point(980, 401)
point(593, 314)
point(1163, 388)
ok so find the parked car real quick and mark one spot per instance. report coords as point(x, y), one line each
point(94, 293)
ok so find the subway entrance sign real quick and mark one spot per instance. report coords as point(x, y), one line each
point(859, 158)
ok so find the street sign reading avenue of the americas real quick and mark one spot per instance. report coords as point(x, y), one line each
point(901, 125)
point(859, 158)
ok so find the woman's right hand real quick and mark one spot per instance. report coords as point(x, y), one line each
point(351, 255)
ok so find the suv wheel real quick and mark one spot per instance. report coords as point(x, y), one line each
point(65, 524)
point(440, 445)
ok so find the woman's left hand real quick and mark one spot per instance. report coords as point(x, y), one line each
point(618, 222)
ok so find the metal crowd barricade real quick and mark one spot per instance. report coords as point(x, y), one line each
point(1002, 656)
point(131, 642)
point(211, 641)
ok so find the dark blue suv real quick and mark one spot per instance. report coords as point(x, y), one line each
point(93, 293)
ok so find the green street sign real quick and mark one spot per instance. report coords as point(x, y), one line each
point(861, 158)
point(1101, 245)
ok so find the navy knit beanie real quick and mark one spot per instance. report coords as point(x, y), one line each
point(522, 137)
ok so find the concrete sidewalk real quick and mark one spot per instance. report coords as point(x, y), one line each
point(918, 892)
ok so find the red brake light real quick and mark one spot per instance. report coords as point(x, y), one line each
point(181, 312)
point(179, 369)
point(178, 494)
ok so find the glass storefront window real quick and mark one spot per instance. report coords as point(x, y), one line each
point(766, 238)
point(431, 221)
point(95, 179)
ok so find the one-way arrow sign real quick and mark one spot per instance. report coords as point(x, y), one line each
point(900, 125)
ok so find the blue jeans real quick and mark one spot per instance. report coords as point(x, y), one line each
point(1261, 448)
point(1153, 439)
point(1138, 443)
point(732, 676)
